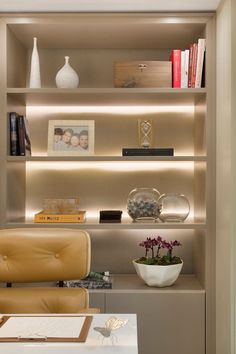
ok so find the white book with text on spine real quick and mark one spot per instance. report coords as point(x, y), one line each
point(200, 58)
point(186, 64)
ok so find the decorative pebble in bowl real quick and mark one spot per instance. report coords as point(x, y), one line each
point(142, 204)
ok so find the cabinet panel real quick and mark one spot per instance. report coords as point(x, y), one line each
point(167, 323)
point(97, 300)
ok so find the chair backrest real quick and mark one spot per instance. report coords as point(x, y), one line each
point(43, 254)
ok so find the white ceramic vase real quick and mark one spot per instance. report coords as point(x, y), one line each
point(67, 76)
point(158, 275)
point(35, 80)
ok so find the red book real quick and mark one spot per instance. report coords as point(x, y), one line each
point(194, 65)
point(175, 58)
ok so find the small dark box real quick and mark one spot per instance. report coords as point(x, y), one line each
point(110, 216)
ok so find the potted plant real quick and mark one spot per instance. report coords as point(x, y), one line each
point(158, 269)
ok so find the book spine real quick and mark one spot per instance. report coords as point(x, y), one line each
point(186, 65)
point(194, 65)
point(27, 137)
point(89, 284)
point(176, 68)
point(21, 135)
point(14, 142)
point(182, 68)
point(190, 65)
point(199, 65)
point(50, 218)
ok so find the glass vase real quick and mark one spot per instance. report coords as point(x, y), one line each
point(175, 207)
point(142, 204)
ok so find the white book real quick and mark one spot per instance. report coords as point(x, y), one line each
point(186, 65)
point(200, 57)
point(182, 75)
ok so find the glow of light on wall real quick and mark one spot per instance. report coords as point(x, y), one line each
point(126, 166)
point(110, 109)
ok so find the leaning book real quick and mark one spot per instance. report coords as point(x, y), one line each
point(42, 217)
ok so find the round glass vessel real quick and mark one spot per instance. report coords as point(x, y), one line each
point(142, 204)
point(175, 207)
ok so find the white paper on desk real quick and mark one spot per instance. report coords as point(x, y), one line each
point(59, 327)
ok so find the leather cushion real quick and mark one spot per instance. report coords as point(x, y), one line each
point(43, 300)
point(43, 254)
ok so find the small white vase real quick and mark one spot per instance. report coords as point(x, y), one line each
point(67, 76)
point(35, 80)
point(158, 275)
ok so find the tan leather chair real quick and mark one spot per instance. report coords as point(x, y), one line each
point(43, 255)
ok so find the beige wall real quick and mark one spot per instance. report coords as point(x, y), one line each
point(226, 187)
point(233, 87)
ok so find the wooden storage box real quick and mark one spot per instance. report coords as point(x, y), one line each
point(143, 74)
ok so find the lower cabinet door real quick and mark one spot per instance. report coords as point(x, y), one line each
point(168, 323)
point(97, 300)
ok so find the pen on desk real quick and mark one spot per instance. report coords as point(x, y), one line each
point(32, 339)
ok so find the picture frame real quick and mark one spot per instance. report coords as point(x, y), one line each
point(70, 137)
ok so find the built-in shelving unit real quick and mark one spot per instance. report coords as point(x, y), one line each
point(182, 118)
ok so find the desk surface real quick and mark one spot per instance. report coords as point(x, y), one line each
point(120, 341)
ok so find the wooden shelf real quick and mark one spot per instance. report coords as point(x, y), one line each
point(126, 224)
point(129, 283)
point(108, 96)
point(106, 158)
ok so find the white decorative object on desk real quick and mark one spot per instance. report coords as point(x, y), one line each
point(35, 80)
point(67, 76)
point(113, 323)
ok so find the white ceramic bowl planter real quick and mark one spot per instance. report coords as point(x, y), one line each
point(158, 275)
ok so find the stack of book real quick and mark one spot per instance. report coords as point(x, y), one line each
point(187, 65)
point(44, 217)
point(95, 280)
point(20, 144)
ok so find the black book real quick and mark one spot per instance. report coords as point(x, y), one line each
point(14, 139)
point(21, 135)
point(148, 152)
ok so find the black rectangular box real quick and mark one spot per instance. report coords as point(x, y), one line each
point(147, 152)
point(110, 216)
